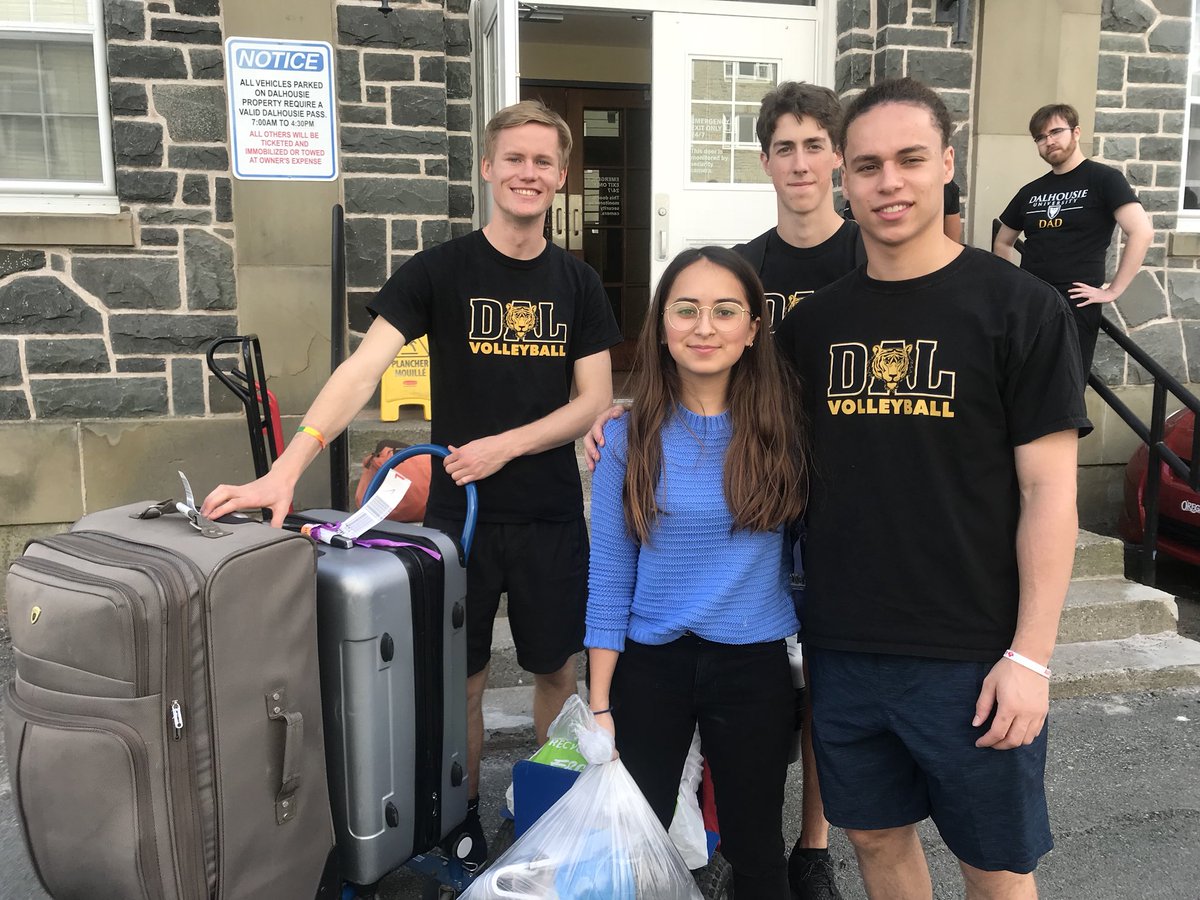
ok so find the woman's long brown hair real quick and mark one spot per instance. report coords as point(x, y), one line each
point(765, 478)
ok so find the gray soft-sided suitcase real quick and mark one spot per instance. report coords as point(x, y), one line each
point(393, 675)
point(163, 726)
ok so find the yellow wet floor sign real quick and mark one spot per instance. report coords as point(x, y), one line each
point(406, 381)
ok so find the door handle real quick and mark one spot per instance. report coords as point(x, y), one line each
point(558, 227)
point(662, 223)
point(575, 213)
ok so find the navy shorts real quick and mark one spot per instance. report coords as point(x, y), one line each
point(894, 745)
point(543, 568)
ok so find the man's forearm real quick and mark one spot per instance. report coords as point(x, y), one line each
point(1132, 257)
point(1046, 535)
point(564, 425)
point(346, 392)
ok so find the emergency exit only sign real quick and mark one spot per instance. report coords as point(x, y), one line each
point(281, 109)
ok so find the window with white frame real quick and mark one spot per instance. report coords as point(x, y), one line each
point(1189, 191)
point(55, 137)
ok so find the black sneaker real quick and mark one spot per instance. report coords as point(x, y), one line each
point(812, 875)
point(476, 854)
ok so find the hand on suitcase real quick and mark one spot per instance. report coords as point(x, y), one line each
point(273, 491)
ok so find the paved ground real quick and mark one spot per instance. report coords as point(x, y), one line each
point(1123, 778)
point(1124, 793)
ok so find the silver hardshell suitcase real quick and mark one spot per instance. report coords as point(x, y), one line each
point(393, 658)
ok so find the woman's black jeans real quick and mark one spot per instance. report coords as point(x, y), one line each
point(742, 698)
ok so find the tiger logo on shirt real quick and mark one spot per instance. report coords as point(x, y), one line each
point(890, 364)
point(520, 317)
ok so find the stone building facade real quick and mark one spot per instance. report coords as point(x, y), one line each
point(1141, 93)
point(104, 318)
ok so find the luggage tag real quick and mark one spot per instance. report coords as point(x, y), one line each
point(188, 510)
point(349, 533)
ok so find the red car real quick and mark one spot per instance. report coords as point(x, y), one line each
point(1178, 504)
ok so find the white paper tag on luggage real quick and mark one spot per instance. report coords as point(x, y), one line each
point(187, 495)
point(375, 510)
point(189, 511)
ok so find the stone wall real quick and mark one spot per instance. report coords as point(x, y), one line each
point(1141, 94)
point(404, 91)
point(118, 333)
point(891, 38)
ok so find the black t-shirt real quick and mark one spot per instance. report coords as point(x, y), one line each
point(789, 274)
point(918, 392)
point(504, 335)
point(951, 199)
point(1068, 222)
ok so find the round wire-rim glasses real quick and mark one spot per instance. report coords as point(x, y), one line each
point(683, 315)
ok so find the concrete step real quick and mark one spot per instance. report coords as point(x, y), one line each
point(1135, 663)
point(1098, 556)
point(1105, 609)
point(1098, 609)
point(1143, 662)
point(509, 710)
point(366, 431)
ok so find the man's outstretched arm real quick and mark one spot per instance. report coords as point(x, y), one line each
point(487, 455)
point(344, 394)
point(1046, 533)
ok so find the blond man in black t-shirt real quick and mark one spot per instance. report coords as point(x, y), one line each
point(1067, 217)
point(519, 335)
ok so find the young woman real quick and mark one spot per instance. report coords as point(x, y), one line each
point(688, 604)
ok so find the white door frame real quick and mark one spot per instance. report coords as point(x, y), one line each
point(825, 10)
point(496, 79)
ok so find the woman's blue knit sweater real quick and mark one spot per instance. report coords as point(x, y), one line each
point(696, 574)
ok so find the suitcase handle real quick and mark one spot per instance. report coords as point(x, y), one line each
point(468, 533)
point(293, 746)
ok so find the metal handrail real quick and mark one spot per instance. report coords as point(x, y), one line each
point(1157, 450)
point(1152, 435)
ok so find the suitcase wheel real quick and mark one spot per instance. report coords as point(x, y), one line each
point(435, 891)
point(462, 846)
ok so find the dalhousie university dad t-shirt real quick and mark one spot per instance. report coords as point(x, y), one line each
point(918, 391)
point(1068, 222)
point(504, 335)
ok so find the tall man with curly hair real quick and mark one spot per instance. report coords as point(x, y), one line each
point(945, 407)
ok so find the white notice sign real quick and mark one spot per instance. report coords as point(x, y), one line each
point(281, 109)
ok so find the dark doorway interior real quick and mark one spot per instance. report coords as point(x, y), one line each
point(604, 217)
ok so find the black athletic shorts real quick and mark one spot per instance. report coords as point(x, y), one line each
point(543, 567)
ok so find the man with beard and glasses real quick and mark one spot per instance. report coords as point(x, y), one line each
point(1067, 217)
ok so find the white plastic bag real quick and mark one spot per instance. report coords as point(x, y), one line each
point(687, 826)
point(561, 749)
point(600, 841)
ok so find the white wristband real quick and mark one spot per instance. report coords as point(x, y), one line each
point(1028, 663)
